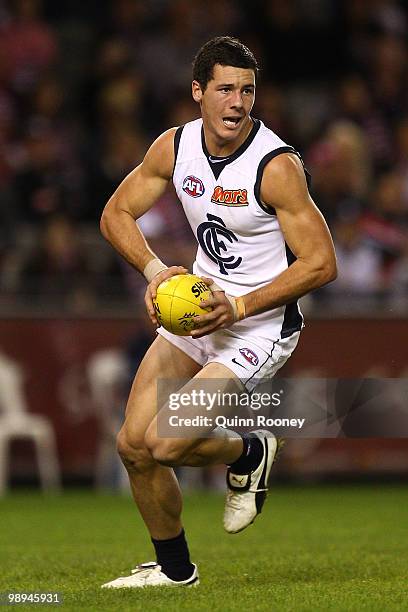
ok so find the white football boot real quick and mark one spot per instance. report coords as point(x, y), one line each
point(247, 492)
point(150, 574)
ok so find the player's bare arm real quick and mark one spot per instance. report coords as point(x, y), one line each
point(284, 189)
point(137, 193)
point(305, 231)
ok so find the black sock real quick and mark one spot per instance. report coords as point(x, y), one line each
point(251, 456)
point(174, 558)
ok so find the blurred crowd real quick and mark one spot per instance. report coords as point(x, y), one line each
point(86, 86)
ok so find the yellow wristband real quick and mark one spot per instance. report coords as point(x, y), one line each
point(237, 303)
point(240, 304)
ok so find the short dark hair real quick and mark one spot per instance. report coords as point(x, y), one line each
point(223, 50)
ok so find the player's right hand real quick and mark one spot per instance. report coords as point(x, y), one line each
point(152, 289)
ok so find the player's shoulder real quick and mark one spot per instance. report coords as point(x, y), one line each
point(164, 142)
point(163, 152)
point(284, 180)
point(160, 156)
point(285, 166)
point(280, 161)
point(280, 170)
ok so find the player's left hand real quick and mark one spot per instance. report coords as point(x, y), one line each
point(221, 316)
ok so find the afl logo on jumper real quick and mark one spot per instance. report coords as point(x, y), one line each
point(249, 356)
point(212, 236)
point(193, 186)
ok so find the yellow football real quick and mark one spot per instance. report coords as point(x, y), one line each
point(178, 301)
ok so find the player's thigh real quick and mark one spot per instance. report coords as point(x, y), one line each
point(163, 360)
point(191, 415)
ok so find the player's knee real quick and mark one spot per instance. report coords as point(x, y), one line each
point(164, 451)
point(166, 454)
point(133, 452)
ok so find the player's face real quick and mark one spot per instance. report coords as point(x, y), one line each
point(226, 104)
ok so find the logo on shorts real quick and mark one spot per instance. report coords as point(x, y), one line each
point(237, 363)
point(249, 356)
point(230, 197)
point(193, 186)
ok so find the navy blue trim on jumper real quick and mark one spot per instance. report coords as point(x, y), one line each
point(292, 319)
point(177, 137)
point(264, 161)
point(219, 163)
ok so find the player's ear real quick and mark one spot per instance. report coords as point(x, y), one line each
point(196, 91)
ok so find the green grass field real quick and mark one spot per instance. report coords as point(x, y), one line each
point(312, 549)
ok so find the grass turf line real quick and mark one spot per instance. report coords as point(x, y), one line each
point(311, 549)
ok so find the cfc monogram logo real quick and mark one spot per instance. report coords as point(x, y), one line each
point(210, 235)
point(230, 197)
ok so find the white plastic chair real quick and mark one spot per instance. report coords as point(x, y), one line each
point(16, 422)
point(107, 372)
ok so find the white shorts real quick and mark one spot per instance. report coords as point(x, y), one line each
point(251, 358)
